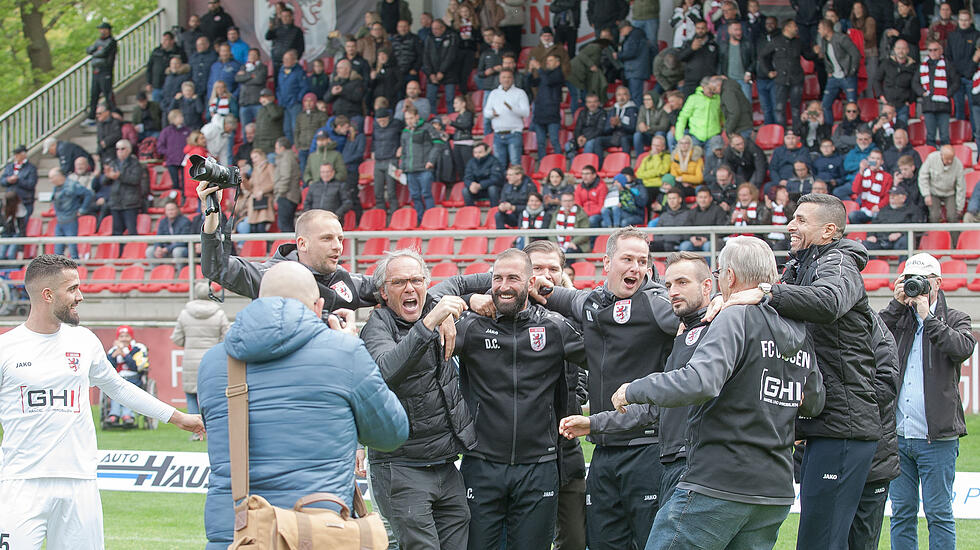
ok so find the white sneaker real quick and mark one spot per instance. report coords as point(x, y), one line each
point(88, 122)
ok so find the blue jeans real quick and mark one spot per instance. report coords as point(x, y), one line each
point(247, 113)
point(489, 192)
point(596, 220)
point(764, 85)
point(746, 88)
point(641, 140)
point(552, 131)
point(688, 246)
point(902, 112)
point(432, 94)
point(66, 229)
point(651, 28)
point(507, 148)
point(936, 121)
point(156, 94)
point(859, 216)
point(635, 86)
point(612, 216)
point(961, 99)
point(933, 463)
point(843, 191)
point(289, 119)
point(192, 406)
point(574, 97)
point(833, 89)
point(420, 189)
point(692, 520)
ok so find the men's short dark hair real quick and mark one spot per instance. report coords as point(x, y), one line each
point(516, 253)
point(545, 247)
point(537, 195)
point(168, 33)
point(284, 142)
point(831, 210)
point(703, 270)
point(475, 145)
point(171, 201)
point(45, 267)
point(589, 168)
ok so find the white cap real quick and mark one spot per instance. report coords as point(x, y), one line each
point(922, 264)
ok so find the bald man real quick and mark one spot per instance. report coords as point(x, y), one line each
point(942, 184)
point(321, 384)
point(47, 478)
point(319, 245)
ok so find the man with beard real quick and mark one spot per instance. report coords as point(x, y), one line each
point(417, 487)
point(700, 57)
point(512, 376)
point(689, 284)
point(627, 318)
point(47, 480)
point(823, 286)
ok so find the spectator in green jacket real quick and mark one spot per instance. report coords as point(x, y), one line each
point(701, 116)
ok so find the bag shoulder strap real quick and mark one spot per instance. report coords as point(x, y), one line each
point(237, 394)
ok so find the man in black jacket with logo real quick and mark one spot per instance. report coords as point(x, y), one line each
point(933, 342)
point(629, 328)
point(417, 486)
point(689, 284)
point(823, 286)
point(748, 377)
point(512, 376)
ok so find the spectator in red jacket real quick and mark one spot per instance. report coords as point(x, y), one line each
point(870, 188)
point(590, 195)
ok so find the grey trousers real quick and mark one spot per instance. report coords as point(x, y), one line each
point(425, 505)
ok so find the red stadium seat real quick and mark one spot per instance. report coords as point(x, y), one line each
point(599, 248)
point(478, 128)
point(105, 227)
point(455, 198)
point(253, 250)
point(190, 206)
point(769, 137)
point(954, 275)
point(435, 219)
point(851, 206)
point(502, 243)
point(868, 106)
point(934, 241)
point(439, 249)
point(968, 240)
point(375, 247)
point(924, 151)
point(365, 172)
point(811, 87)
point(404, 199)
point(130, 279)
point(584, 275)
point(476, 268)
point(581, 161)
point(964, 153)
point(473, 248)
point(49, 230)
point(971, 182)
point(373, 220)
point(106, 251)
point(144, 225)
point(368, 125)
point(875, 274)
point(476, 98)
point(438, 192)
point(133, 252)
point(660, 268)
point(160, 180)
point(414, 243)
point(530, 142)
point(467, 217)
point(161, 277)
point(857, 236)
point(974, 283)
point(366, 195)
point(917, 133)
point(443, 270)
point(807, 66)
point(404, 219)
point(86, 226)
point(959, 132)
point(101, 279)
point(613, 164)
point(523, 57)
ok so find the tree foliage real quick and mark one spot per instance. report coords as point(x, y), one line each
point(40, 39)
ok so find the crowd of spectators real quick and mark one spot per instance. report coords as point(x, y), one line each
point(414, 104)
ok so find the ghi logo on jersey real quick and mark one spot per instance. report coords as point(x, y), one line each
point(38, 400)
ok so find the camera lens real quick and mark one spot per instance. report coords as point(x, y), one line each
point(914, 286)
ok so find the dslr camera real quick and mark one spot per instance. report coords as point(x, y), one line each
point(914, 285)
point(222, 177)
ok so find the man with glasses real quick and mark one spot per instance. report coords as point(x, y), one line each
point(823, 286)
point(938, 82)
point(933, 341)
point(126, 176)
point(417, 487)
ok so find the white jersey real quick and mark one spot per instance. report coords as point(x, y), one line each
point(44, 402)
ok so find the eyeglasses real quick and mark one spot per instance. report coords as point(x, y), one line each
point(400, 283)
point(716, 272)
point(934, 50)
point(851, 111)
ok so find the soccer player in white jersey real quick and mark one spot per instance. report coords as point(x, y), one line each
point(48, 453)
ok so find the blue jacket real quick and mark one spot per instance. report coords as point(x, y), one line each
point(292, 87)
point(70, 199)
point(486, 171)
point(224, 71)
point(829, 169)
point(313, 394)
point(852, 161)
point(781, 163)
point(180, 226)
point(339, 139)
point(239, 50)
point(547, 104)
point(26, 181)
point(635, 55)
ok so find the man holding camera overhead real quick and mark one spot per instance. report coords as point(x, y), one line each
point(933, 341)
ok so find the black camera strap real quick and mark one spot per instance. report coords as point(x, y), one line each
point(224, 243)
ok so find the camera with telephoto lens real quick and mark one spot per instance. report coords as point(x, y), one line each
point(222, 177)
point(915, 285)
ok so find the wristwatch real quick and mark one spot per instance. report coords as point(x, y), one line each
point(766, 289)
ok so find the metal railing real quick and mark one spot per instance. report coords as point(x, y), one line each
point(66, 97)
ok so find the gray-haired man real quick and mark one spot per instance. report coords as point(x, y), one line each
point(417, 487)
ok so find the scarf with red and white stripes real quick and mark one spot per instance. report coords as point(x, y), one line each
point(220, 106)
point(778, 218)
point(937, 88)
point(565, 220)
point(537, 220)
point(872, 188)
point(743, 214)
point(975, 89)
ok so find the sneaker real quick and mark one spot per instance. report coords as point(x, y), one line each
point(113, 420)
point(88, 122)
point(128, 421)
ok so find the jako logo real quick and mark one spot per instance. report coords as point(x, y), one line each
point(830, 476)
point(649, 497)
point(23, 364)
